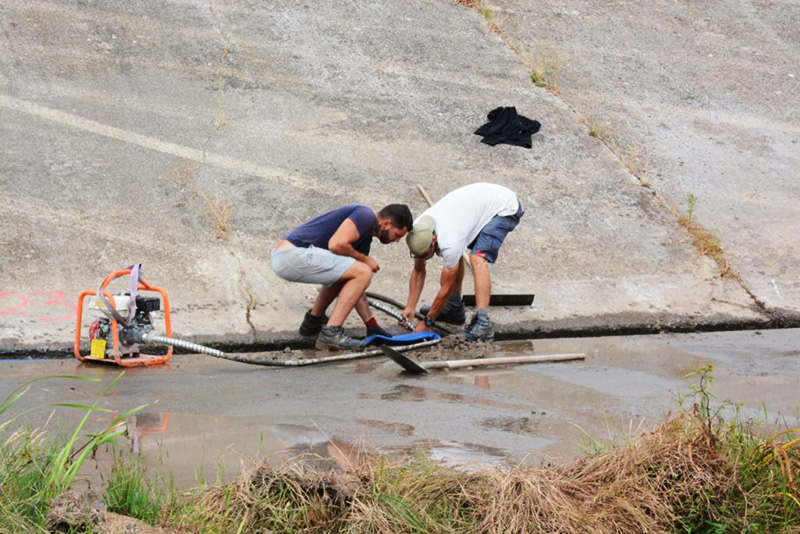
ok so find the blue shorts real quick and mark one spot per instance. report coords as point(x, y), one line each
point(310, 265)
point(487, 244)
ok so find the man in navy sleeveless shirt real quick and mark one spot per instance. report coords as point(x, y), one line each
point(333, 250)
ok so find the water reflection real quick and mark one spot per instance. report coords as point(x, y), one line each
point(466, 456)
point(405, 392)
point(366, 367)
point(142, 424)
point(482, 381)
point(317, 447)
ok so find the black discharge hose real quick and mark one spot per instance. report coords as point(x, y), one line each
point(188, 345)
point(396, 315)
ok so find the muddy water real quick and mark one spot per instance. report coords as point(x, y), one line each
point(208, 418)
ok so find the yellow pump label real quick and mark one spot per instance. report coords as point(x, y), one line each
point(98, 349)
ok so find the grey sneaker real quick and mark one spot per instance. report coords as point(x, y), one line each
point(333, 337)
point(312, 324)
point(451, 313)
point(479, 330)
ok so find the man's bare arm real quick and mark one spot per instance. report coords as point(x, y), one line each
point(341, 243)
point(416, 282)
point(446, 284)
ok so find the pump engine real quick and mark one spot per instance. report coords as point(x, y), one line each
point(122, 321)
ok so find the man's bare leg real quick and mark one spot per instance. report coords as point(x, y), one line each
point(362, 307)
point(483, 283)
point(355, 280)
point(325, 296)
point(459, 283)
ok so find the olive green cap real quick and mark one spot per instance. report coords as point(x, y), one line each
point(419, 238)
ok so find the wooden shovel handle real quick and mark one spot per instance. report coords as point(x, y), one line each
point(425, 194)
point(539, 358)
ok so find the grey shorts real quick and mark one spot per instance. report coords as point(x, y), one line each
point(310, 265)
point(487, 244)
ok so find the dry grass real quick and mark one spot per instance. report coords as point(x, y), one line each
point(414, 496)
point(221, 115)
point(219, 207)
point(638, 488)
point(291, 498)
point(705, 241)
point(593, 127)
point(251, 300)
point(635, 156)
point(544, 65)
point(183, 172)
point(474, 4)
point(677, 477)
point(708, 245)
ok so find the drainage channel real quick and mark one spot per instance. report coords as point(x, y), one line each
point(205, 411)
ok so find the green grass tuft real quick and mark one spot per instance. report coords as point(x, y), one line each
point(130, 492)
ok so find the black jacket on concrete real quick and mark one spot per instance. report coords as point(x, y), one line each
point(506, 126)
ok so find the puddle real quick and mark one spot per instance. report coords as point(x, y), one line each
point(406, 393)
point(399, 429)
point(409, 393)
point(418, 394)
point(515, 425)
point(611, 381)
point(206, 418)
point(466, 457)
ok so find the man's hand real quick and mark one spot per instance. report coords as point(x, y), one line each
point(372, 264)
point(341, 243)
point(421, 327)
point(409, 315)
point(415, 284)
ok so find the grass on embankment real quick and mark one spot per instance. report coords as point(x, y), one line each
point(692, 473)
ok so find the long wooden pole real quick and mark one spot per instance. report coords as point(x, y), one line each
point(539, 358)
point(425, 194)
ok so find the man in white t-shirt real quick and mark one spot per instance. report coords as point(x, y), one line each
point(477, 218)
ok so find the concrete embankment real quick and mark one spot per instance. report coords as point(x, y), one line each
point(188, 136)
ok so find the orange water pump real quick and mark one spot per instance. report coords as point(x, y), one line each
point(122, 321)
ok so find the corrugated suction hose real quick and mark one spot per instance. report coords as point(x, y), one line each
point(188, 345)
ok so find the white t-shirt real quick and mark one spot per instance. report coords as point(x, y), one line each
point(461, 215)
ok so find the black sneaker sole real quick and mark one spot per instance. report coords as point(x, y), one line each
point(457, 321)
